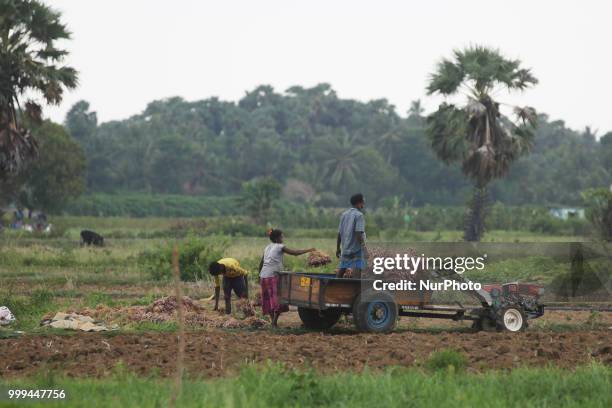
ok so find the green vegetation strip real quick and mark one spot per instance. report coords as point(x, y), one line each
point(274, 386)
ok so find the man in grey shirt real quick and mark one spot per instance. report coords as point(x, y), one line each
point(351, 244)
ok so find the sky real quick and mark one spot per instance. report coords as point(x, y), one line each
point(131, 52)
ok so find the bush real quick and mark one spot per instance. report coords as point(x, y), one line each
point(236, 227)
point(447, 360)
point(545, 223)
point(430, 218)
point(576, 226)
point(194, 256)
point(159, 205)
point(599, 211)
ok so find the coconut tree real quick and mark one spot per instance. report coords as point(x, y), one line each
point(415, 112)
point(475, 133)
point(30, 64)
point(338, 153)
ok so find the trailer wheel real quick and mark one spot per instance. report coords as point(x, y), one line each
point(319, 319)
point(375, 312)
point(511, 318)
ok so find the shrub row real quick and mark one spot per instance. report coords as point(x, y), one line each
point(143, 205)
point(195, 254)
point(293, 215)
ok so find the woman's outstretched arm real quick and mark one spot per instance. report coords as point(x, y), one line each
point(296, 252)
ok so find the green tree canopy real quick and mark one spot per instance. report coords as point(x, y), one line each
point(335, 146)
point(30, 63)
point(58, 175)
point(258, 196)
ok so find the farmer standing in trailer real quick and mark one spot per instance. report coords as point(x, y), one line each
point(269, 267)
point(351, 243)
point(234, 278)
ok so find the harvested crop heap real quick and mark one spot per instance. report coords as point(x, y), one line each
point(169, 305)
point(165, 310)
point(318, 258)
point(245, 307)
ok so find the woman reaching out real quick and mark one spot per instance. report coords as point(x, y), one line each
point(269, 267)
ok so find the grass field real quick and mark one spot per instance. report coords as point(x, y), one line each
point(41, 275)
point(273, 386)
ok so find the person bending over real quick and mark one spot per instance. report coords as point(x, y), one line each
point(269, 267)
point(234, 278)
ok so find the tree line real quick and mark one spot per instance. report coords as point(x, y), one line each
point(320, 148)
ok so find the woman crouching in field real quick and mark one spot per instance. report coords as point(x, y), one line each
point(269, 267)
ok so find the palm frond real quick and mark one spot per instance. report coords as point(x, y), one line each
point(446, 80)
point(522, 79)
point(447, 128)
point(526, 114)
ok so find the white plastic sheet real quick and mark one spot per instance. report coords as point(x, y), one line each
point(6, 317)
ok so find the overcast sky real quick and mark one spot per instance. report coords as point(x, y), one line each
point(130, 52)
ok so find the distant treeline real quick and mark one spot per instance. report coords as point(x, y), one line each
point(223, 215)
point(320, 148)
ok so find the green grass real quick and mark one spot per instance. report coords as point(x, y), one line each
point(40, 275)
point(78, 277)
point(446, 360)
point(275, 386)
point(28, 309)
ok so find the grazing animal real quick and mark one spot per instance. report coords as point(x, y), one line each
point(91, 238)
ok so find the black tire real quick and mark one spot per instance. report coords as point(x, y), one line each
point(375, 312)
point(511, 318)
point(319, 319)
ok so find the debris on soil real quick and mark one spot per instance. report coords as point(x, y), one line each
point(257, 300)
point(6, 317)
point(231, 323)
point(164, 310)
point(318, 258)
point(245, 307)
point(255, 322)
point(170, 305)
point(74, 321)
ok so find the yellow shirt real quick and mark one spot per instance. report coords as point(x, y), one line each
point(232, 270)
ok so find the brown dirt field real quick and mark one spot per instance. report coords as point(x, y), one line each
point(216, 353)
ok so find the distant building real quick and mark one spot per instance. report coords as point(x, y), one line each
point(564, 213)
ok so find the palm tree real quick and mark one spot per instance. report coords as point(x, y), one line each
point(476, 134)
point(339, 155)
point(416, 110)
point(388, 143)
point(29, 63)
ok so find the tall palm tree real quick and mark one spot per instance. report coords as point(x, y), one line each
point(30, 63)
point(338, 154)
point(476, 134)
point(388, 143)
point(416, 109)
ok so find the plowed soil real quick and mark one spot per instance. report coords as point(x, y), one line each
point(218, 352)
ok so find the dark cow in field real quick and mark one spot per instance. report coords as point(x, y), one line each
point(91, 238)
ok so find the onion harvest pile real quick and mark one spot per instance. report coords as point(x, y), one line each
point(318, 258)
